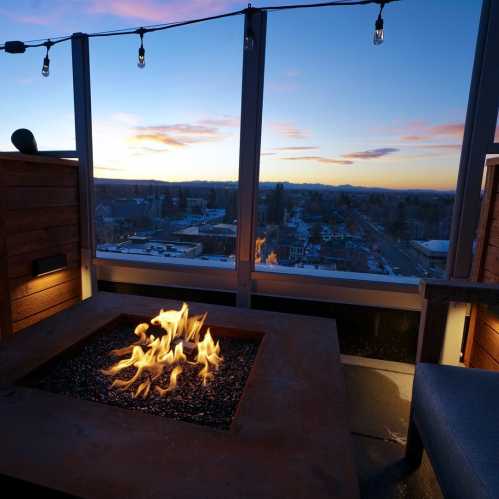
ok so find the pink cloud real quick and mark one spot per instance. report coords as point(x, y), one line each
point(370, 154)
point(223, 122)
point(414, 138)
point(180, 134)
point(41, 18)
point(161, 11)
point(447, 129)
point(159, 138)
point(320, 159)
point(186, 132)
point(288, 129)
point(423, 131)
point(296, 148)
point(440, 146)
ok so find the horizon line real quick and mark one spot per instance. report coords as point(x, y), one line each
point(285, 182)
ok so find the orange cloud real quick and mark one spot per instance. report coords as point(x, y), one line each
point(160, 138)
point(320, 159)
point(180, 134)
point(184, 132)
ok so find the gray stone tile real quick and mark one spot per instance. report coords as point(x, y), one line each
point(379, 401)
point(379, 404)
point(383, 473)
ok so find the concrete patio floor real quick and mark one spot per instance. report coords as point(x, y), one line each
point(379, 397)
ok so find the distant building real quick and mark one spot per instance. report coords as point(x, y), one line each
point(142, 245)
point(326, 233)
point(290, 248)
point(215, 238)
point(432, 253)
point(198, 204)
point(129, 208)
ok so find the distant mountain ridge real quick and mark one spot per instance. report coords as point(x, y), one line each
point(265, 185)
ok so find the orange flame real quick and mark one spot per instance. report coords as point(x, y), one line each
point(260, 241)
point(272, 259)
point(151, 355)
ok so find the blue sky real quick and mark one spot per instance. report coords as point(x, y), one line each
point(337, 109)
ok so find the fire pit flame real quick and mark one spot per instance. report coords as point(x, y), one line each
point(151, 355)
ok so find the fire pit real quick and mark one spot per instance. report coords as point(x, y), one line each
point(171, 366)
point(282, 433)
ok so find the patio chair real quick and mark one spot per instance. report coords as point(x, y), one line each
point(454, 411)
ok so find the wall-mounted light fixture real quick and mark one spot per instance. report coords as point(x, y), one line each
point(49, 264)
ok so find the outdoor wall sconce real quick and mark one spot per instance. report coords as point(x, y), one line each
point(49, 264)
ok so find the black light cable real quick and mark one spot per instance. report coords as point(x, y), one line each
point(19, 47)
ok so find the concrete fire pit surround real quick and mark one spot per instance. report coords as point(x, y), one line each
point(289, 437)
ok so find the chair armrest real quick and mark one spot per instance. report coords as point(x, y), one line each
point(437, 294)
point(444, 291)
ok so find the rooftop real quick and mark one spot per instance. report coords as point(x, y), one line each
point(433, 248)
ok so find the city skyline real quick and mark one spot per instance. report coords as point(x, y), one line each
point(337, 110)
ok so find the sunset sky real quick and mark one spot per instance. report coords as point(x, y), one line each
point(337, 110)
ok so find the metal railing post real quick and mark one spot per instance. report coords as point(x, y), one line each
point(481, 120)
point(255, 25)
point(83, 133)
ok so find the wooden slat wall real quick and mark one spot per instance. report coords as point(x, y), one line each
point(39, 217)
point(5, 315)
point(482, 347)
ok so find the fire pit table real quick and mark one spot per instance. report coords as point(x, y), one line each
point(282, 430)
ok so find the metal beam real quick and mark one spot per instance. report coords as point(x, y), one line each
point(255, 23)
point(48, 154)
point(59, 154)
point(481, 120)
point(83, 132)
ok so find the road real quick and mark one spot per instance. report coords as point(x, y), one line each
point(390, 249)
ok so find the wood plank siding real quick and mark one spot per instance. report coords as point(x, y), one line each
point(482, 346)
point(39, 217)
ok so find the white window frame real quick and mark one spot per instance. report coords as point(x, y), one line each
point(244, 280)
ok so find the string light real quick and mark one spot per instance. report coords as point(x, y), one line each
point(142, 51)
point(46, 60)
point(379, 32)
point(249, 35)
point(19, 47)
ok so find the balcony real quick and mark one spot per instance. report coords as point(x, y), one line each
point(326, 243)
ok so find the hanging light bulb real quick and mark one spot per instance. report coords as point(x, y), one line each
point(249, 39)
point(46, 60)
point(379, 33)
point(249, 35)
point(141, 63)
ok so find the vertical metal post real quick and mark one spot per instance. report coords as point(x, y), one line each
point(481, 118)
point(83, 132)
point(255, 24)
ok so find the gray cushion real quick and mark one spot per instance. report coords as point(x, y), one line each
point(457, 413)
